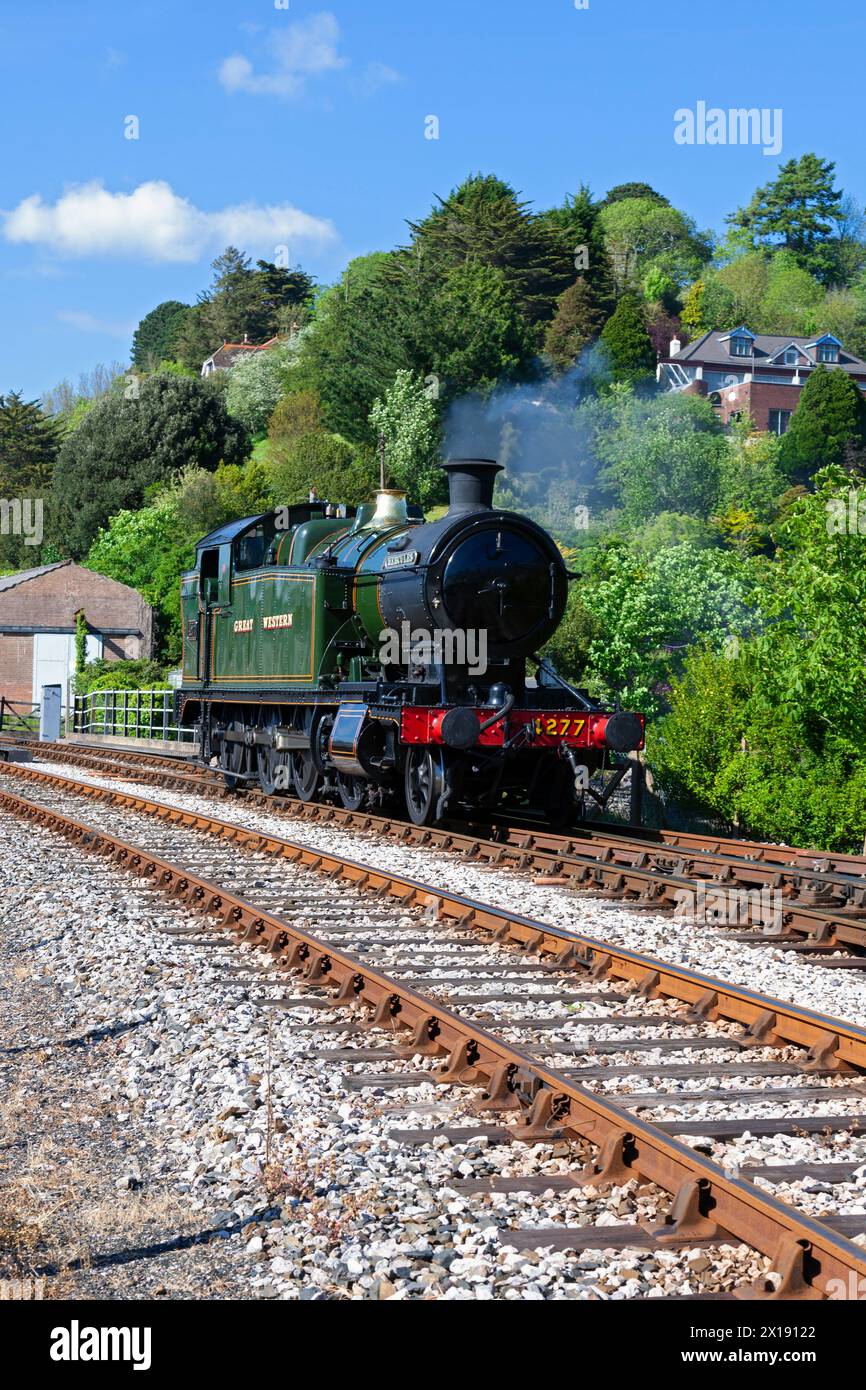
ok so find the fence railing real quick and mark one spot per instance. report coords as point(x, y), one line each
point(128, 714)
point(18, 717)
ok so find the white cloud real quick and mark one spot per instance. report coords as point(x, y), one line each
point(306, 49)
point(88, 323)
point(376, 75)
point(154, 223)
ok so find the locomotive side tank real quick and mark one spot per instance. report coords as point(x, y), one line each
point(373, 654)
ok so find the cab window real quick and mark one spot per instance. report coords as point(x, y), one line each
point(251, 548)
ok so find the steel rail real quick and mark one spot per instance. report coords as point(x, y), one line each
point(708, 1202)
point(830, 1042)
point(627, 878)
point(827, 862)
point(814, 865)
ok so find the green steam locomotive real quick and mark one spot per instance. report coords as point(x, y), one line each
point(369, 655)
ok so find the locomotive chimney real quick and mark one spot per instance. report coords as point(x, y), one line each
point(470, 484)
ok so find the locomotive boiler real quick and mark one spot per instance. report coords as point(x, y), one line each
point(371, 655)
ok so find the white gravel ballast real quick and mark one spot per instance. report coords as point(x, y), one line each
point(174, 1126)
point(764, 969)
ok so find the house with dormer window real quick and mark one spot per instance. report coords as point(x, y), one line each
point(755, 374)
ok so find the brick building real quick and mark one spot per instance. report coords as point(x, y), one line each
point(37, 626)
point(756, 374)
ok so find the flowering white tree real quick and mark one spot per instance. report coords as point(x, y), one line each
point(408, 421)
point(257, 383)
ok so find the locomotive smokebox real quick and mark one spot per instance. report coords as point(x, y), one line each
point(470, 484)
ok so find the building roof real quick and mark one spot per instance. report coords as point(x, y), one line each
point(9, 581)
point(227, 353)
point(711, 348)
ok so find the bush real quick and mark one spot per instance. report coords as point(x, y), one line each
point(327, 463)
point(149, 550)
point(140, 674)
point(296, 414)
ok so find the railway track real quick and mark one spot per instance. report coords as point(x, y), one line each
point(802, 908)
point(509, 1028)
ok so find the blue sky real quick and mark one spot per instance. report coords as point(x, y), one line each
point(304, 126)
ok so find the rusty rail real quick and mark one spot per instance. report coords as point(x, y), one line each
point(823, 912)
point(708, 1203)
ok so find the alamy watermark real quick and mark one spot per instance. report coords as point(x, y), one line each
point(22, 516)
point(410, 646)
point(22, 1290)
point(739, 125)
point(847, 518)
point(711, 905)
point(77, 1343)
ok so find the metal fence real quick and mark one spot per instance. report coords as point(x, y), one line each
point(128, 714)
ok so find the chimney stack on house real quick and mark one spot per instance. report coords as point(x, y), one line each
point(675, 346)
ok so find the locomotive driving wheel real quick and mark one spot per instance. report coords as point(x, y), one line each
point(425, 778)
point(234, 756)
point(272, 767)
point(306, 777)
point(352, 791)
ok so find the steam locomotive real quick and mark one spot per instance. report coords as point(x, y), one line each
point(370, 655)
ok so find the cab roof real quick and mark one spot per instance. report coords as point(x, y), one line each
point(223, 534)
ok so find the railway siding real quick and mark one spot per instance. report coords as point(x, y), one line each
point(709, 1203)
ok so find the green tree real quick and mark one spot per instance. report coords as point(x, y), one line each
point(751, 482)
point(747, 278)
point(651, 610)
point(830, 415)
point(772, 740)
point(628, 345)
point(29, 441)
point(793, 300)
point(478, 334)
point(406, 419)
point(848, 246)
point(156, 337)
point(718, 304)
point(663, 455)
point(133, 439)
point(730, 295)
point(260, 301)
point(356, 343)
point(204, 500)
point(692, 313)
point(843, 313)
point(641, 235)
point(296, 414)
point(576, 224)
point(569, 647)
point(796, 211)
point(623, 191)
point(484, 221)
point(149, 550)
point(577, 322)
point(328, 463)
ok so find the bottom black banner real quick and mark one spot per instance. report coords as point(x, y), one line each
point(60, 1340)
